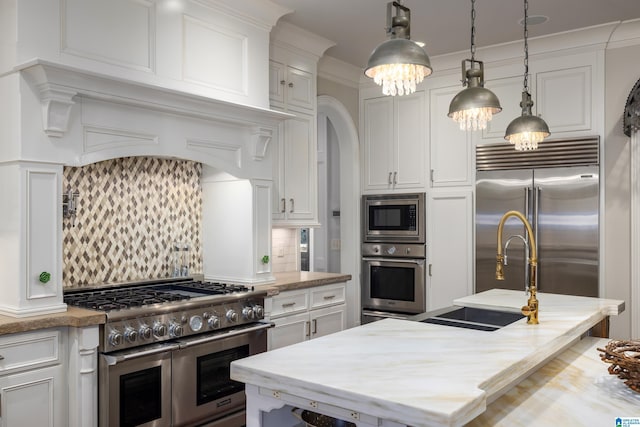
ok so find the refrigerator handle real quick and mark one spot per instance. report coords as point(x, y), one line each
point(527, 198)
point(536, 210)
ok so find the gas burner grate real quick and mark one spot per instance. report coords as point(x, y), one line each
point(116, 299)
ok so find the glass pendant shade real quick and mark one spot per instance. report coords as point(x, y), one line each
point(474, 106)
point(398, 64)
point(526, 131)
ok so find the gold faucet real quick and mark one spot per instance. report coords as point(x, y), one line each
point(531, 309)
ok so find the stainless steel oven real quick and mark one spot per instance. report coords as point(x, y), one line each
point(396, 218)
point(179, 383)
point(166, 348)
point(393, 279)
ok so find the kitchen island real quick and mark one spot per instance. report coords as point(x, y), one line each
point(403, 373)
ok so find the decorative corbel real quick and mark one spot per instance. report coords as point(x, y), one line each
point(56, 102)
point(260, 138)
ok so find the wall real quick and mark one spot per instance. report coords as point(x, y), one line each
point(130, 212)
point(347, 95)
point(622, 70)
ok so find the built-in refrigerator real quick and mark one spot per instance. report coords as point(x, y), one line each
point(557, 188)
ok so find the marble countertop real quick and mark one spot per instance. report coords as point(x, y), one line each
point(421, 374)
point(74, 316)
point(573, 389)
point(292, 280)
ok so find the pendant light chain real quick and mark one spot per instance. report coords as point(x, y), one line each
point(526, 46)
point(473, 30)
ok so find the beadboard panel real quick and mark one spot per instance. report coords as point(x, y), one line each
point(130, 212)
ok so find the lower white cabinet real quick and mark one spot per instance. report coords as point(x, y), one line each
point(304, 314)
point(33, 390)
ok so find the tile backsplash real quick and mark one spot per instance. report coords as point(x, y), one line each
point(130, 211)
point(284, 252)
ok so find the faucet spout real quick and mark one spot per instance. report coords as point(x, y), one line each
point(531, 309)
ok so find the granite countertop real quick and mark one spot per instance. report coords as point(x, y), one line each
point(422, 374)
point(573, 389)
point(74, 316)
point(292, 280)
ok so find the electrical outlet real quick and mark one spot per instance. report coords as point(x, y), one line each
point(280, 252)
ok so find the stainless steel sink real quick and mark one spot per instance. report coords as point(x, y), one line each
point(470, 318)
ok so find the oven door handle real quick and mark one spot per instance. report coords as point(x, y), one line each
point(119, 358)
point(224, 334)
point(420, 261)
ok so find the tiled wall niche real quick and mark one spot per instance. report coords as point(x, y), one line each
point(130, 211)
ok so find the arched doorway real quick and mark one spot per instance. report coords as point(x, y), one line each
point(349, 155)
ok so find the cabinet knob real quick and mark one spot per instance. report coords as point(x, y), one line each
point(282, 82)
point(290, 84)
point(44, 277)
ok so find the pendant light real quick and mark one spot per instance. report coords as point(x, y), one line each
point(474, 106)
point(527, 130)
point(398, 64)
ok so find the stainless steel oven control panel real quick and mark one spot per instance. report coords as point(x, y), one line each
point(394, 250)
point(162, 326)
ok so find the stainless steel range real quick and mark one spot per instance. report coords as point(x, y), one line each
point(166, 347)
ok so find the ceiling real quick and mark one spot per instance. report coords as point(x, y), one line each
point(358, 26)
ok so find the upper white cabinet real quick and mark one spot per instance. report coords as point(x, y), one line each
point(294, 55)
point(295, 200)
point(393, 131)
point(290, 87)
point(451, 149)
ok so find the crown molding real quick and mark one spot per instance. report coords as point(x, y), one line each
point(261, 13)
point(291, 36)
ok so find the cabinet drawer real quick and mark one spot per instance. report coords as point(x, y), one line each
point(328, 295)
point(29, 350)
point(290, 302)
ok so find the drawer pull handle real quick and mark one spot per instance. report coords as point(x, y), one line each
point(328, 297)
point(289, 304)
point(315, 326)
point(308, 325)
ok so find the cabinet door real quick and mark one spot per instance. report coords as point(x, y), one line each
point(33, 398)
point(451, 148)
point(299, 89)
point(325, 321)
point(410, 142)
point(277, 83)
point(377, 162)
point(450, 243)
point(300, 168)
point(288, 330)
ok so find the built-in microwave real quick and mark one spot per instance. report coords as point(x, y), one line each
point(393, 218)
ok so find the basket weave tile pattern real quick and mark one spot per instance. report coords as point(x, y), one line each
point(624, 361)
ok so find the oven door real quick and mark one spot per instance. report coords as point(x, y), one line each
point(202, 387)
point(135, 387)
point(392, 284)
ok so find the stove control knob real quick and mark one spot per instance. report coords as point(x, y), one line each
point(130, 335)
point(115, 338)
point(259, 311)
point(232, 316)
point(213, 322)
point(145, 332)
point(248, 313)
point(175, 329)
point(159, 330)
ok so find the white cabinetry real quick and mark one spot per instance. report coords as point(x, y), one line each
point(291, 87)
point(304, 314)
point(450, 246)
point(32, 381)
point(294, 55)
point(32, 222)
point(451, 148)
point(394, 142)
